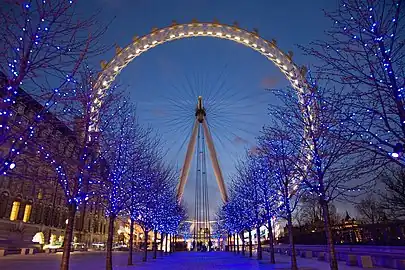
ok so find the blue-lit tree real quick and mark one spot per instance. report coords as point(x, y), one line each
point(364, 52)
point(76, 161)
point(244, 211)
point(43, 45)
point(177, 215)
point(219, 230)
point(252, 202)
point(279, 155)
point(252, 177)
point(184, 230)
point(231, 217)
point(118, 144)
point(163, 203)
point(147, 203)
point(326, 162)
point(154, 206)
point(147, 154)
point(139, 186)
point(269, 200)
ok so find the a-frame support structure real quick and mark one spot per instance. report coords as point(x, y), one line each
point(201, 120)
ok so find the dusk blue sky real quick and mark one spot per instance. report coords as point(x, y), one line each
point(166, 70)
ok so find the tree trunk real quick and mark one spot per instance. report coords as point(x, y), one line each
point(243, 243)
point(166, 243)
point(250, 244)
point(237, 242)
point(145, 253)
point(291, 240)
point(259, 243)
point(174, 243)
point(67, 242)
point(271, 242)
point(170, 243)
point(161, 243)
point(131, 241)
point(155, 244)
point(108, 260)
point(234, 243)
point(329, 236)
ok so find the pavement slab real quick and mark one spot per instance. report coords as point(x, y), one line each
point(175, 261)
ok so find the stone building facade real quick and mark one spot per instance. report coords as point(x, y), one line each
point(32, 203)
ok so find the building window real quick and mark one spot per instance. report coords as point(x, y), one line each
point(39, 196)
point(27, 212)
point(14, 210)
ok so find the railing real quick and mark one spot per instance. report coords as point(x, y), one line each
point(382, 256)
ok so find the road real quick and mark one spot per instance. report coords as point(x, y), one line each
point(175, 261)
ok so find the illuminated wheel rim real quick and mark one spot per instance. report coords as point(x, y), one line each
point(139, 45)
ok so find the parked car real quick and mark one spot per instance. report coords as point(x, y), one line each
point(80, 247)
point(99, 246)
point(120, 247)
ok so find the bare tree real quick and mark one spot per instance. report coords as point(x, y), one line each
point(370, 209)
point(394, 198)
point(311, 212)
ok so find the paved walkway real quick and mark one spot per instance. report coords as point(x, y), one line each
point(175, 261)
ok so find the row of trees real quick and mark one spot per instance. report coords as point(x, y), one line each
point(332, 141)
point(46, 48)
point(121, 167)
point(137, 183)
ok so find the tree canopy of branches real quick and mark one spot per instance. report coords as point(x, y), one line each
point(371, 209)
point(152, 185)
point(393, 197)
point(329, 164)
point(121, 140)
point(278, 156)
point(263, 187)
point(42, 47)
point(364, 52)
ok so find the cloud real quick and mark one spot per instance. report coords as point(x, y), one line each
point(269, 82)
point(239, 140)
point(253, 150)
point(159, 112)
